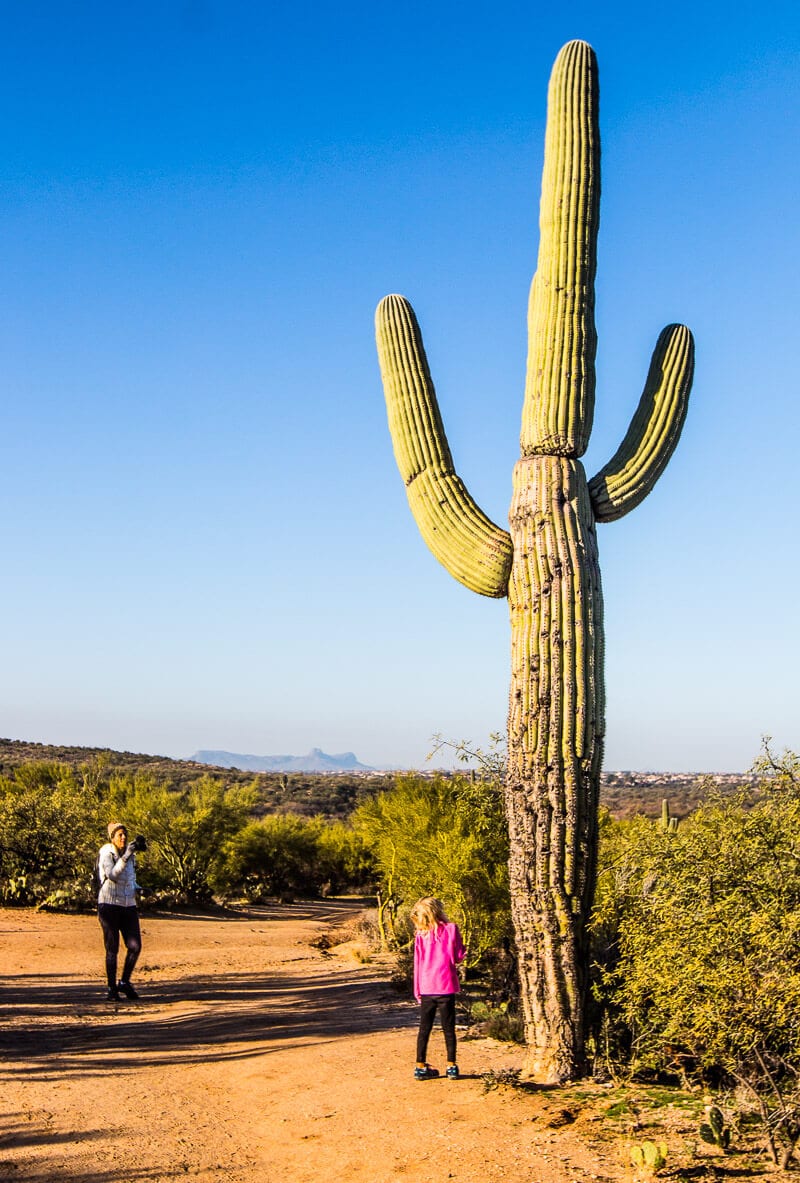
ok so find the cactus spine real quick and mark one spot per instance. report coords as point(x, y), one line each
point(547, 563)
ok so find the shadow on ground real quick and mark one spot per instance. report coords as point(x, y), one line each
point(58, 1029)
point(47, 1173)
point(21, 1133)
point(324, 911)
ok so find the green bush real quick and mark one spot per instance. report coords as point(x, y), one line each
point(698, 940)
point(274, 856)
point(49, 818)
point(444, 837)
point(187, 831)
point(498, 1022)
point(344, 861)
point(284, 854)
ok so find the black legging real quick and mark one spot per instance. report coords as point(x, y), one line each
point(117, 921)
point(446, 1004)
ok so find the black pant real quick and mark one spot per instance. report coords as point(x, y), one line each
point(117, 921)
point(446, 1004)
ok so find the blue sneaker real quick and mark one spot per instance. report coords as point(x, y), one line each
point(452, 1072)
point(426, 1073)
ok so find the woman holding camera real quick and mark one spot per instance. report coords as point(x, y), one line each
point(116, 907)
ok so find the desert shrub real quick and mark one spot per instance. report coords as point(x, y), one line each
point(698, 939)
point(275, 856)
point(286, 854)
point(343, 859)
point(49, 816)
point(444, 837)
point(187, 830)
point(498, 1022)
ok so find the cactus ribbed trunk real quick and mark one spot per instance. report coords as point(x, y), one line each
point(555, 723)
point(555, 743)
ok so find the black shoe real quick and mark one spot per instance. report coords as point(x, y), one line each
point(426, 1073)
point(113, 996)
point(127, 989)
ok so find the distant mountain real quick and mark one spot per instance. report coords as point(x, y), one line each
point(315, 761)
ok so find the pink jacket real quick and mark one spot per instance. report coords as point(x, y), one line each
point(436, 955)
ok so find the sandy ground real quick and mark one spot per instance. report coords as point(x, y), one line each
point(252, 1056)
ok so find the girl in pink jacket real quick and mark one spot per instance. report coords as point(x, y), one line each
point(438, 949)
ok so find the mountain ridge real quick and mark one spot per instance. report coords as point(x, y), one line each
point(314, 761)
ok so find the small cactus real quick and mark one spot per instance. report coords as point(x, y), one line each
point(647, 1158)
point(666, 822)
point(715, 1131)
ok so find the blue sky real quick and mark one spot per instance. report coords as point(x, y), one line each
point(207, 542)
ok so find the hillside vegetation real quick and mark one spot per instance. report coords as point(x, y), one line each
point(310, 794)
point(336, 795)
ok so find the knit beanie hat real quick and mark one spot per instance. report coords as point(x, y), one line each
point(113, 827)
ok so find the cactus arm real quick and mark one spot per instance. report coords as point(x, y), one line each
point(472, 548)
point(654, 431)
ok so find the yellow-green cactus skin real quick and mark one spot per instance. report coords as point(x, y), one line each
point(547, 563)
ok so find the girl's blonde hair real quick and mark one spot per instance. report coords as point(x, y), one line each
point(428, 913)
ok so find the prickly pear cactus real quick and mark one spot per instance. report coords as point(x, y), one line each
point(546, 563)
point(715, 1130)
point(646, 1159)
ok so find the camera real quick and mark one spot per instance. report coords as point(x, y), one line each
point(139, 843)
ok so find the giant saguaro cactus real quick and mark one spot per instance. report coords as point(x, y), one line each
point(547, 564)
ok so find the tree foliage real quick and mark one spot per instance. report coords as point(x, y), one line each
point(187, 831)
point(444, 837)
point(49, 817)
point(286, 855)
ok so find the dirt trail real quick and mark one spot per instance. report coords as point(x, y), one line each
point(252, 1057)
